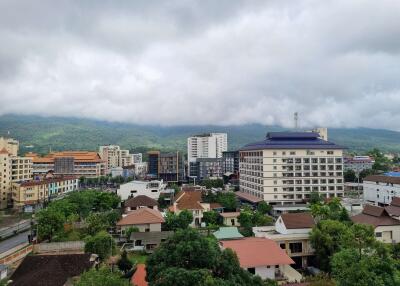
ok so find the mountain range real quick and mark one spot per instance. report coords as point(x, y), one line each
point(41, 134)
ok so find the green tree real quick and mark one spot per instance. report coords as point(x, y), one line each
point(95, 223)
point(263, 207)
point(349, 176)
point(211, 218)
point(326, 239)
point(101, 244)
point(190, 259)
point(227, 200)
point(101, 277)
point(332, 210)
point(180, 221)
point(49, 222)
point(124, 264)
point(129, 232)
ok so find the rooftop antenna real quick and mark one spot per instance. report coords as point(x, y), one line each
point(296, 120)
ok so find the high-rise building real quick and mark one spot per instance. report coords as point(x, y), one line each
point(230, 162)
point(114, 157)
point(287, 166)
point(168, 167)
point(206, 168)
point(11, 145)
point(210, 145)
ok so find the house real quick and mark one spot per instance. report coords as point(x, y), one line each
point(191, 201)
point(51, 270)
point(152, 189)
point(230, 218)
point(140, 201)
point(291, 232)
point(394, 208)
point(148, 241)
point(230, 232)
point(139, 277)
point(386, 228)
point(263, 257)
point(145, 219)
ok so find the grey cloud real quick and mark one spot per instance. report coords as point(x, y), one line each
point(203, 62)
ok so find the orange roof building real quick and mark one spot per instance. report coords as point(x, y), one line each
point(145, 219)
point(261, 256)
point(139, 277)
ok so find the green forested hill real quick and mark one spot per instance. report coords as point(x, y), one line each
point(84, 134)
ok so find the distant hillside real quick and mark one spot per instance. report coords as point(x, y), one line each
point(57, 133)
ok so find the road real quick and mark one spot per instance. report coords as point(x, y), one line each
point(14, 241)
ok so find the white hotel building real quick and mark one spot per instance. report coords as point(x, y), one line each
point(287, 166)
point(381, 189)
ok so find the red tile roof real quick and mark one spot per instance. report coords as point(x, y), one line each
point(255, 252)
point(139, 278)
point(3, 151)
point(395, 202)
point(141, 216)
point(79, 156)
point(140, 201)
point(189, 200)
point(298, 220)
point(382, 179)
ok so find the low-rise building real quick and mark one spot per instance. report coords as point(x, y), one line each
point(358, 163)
point(394, 208)
point(263, 257)
point(145, 219)
point(206, 168)
point(193, 202)
point(380, 189)
point(386, 228)
point(152, 189)
point(291, 232)
point(138, 202)
point(169, 167)
point(230, 218)
point(148, 241)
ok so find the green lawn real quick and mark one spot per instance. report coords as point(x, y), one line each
point(137, 257)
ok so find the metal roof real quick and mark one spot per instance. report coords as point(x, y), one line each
point(291, 140)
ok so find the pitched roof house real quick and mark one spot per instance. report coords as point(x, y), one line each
point(140, 202)
point(394, 208)
point(193, 202)
point(230, 232)
point(145, 219)
point(263, 257)
point(387, 229)
point(291, 232)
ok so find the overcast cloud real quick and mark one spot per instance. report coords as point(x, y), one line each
point(203, 62)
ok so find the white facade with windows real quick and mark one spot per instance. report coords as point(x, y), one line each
point(289, 174)
point(152, 189)
point(207, 146)
point(379, 190)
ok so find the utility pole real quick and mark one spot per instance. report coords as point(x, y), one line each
point(296, 120)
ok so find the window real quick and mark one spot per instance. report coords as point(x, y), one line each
point(378, 234)
point(292, 153)
point(296, 247)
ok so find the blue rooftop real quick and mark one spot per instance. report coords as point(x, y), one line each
point(291, 140)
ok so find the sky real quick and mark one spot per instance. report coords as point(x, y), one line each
point(184, 62)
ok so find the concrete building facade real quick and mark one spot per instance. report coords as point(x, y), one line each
point(287, 166)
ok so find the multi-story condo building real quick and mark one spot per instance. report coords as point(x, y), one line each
point(70, 163)
point(11, 145)
point(358, 163)
point(168, 167)
point(287, 166)
point(34, 193)
point(13, 168)
point(230, 162)
point(137, 158)
point(206, 168)
point(210, 145)
point(114, 157)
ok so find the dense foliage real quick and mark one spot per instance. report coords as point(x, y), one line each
point(101, 243)
point(190, 259)
point(175, 221)
point(227, 200)
point(101, 277)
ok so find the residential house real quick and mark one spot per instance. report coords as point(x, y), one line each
point(140, 201)
point(193, 202)
point(230, 218)
point(263, 257)
point(386, 228)
point(148, 241)
point(229, 232)
point(54, 270)
point(145, 219)
point(291, 232)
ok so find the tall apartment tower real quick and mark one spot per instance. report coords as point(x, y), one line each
point(210, 145)
point(114, 157)
point(288, 166)
point(11, 145)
